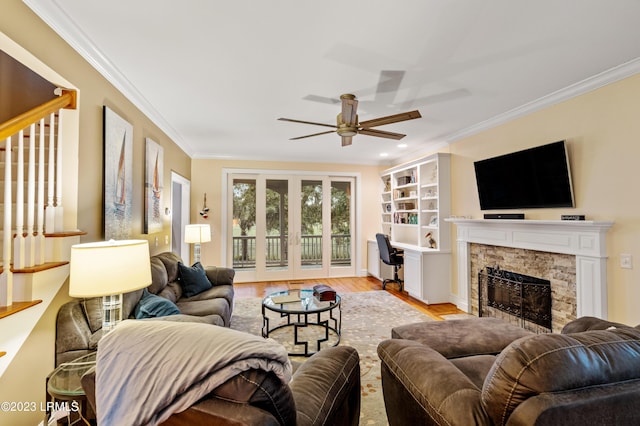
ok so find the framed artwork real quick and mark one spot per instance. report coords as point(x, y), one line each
point(118, 176)
point(153, 178)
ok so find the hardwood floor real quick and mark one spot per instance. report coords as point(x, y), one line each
point(343, 285)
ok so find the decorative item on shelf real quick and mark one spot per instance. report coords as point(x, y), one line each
point(205, 210)
point(430, 240)
point(413, 194)
point(434, 221)
point(108, 269)
point(196, 234)
point(324, 293)
point(404, 180)
point(388, 208)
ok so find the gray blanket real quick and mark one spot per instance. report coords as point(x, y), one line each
point(148, 370)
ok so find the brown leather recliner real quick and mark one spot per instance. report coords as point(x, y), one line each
point(324, 390)
point(485, 372)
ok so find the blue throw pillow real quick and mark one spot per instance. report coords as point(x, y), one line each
point(193, 280)
point(152, 306)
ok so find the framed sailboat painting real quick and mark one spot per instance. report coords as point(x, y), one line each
point(154, 160)
point(118, 176)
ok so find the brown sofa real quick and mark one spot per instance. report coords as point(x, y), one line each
point(324, 390)
point(79, 322)
point(484, 371)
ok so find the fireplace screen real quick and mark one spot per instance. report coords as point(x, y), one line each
point(515, 297)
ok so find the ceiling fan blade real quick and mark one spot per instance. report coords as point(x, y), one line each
point(307, 122)
point(381, 134)
point(347, 140)
point(349, 109)
point(315, 134)
point(391, 119)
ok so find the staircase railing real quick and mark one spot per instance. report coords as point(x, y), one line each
point(27, 248)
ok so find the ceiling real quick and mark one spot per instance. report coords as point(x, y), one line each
point(216, 75)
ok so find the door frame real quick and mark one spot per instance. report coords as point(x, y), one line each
point(226, 210)
point(180, 214)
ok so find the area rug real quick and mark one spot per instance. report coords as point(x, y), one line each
point(367, 319)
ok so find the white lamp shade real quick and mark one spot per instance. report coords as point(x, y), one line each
point(197, 233)
point(109, 267)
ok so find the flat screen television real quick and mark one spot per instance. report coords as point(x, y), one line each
point(533, 178)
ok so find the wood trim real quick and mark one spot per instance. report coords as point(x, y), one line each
point(39, 268)
point(67, 100)
point(5, 311)
point(64, 234)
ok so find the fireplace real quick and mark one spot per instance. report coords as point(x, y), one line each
point(515, 297)
point(577, 253)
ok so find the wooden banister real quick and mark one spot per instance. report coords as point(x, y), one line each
point(67, 101)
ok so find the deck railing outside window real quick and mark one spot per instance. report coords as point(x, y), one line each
point(244, 250)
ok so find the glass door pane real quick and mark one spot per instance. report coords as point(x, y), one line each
point(277, 224)
point(310, 240)
point(244, 224)
point(340, 223)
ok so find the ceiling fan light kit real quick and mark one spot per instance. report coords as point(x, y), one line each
point(347, 125)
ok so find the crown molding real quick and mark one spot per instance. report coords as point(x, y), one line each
point(53, 15)
point(587, 85)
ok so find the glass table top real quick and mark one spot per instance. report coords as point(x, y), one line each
point(65, 379)
point(305, 304)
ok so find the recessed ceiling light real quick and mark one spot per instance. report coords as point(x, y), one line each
point(402, 145)
point(384, 154)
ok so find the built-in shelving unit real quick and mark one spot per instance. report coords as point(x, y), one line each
point(415, 200)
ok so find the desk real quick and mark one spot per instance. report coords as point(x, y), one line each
point(427, 272)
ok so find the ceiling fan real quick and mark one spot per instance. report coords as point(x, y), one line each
point(347, 125)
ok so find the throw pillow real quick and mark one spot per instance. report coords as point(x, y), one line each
point(193, 280)
point(152, 306)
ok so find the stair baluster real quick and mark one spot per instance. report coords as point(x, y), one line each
point(40, 247)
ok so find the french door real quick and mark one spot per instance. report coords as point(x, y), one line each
point(290, 226)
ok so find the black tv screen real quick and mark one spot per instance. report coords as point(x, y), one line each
point(533, 178)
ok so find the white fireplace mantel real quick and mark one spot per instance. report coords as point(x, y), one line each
point(584, 239)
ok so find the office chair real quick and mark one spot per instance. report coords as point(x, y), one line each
point(390, 256)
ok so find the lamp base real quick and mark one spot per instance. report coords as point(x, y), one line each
point(111, 312)
point(196, 252)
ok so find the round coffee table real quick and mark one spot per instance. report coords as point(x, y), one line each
point(304, 313)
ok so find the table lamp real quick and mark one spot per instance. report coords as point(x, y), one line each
point(108, 269)
point(196, 234)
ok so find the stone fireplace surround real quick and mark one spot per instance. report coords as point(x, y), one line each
point(584, 241)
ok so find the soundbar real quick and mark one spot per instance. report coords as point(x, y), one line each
point(572, 217)
point(504, 215)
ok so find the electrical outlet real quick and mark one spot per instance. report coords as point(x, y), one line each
point(626, 261)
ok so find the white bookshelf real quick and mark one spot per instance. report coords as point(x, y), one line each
point(415, 200)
